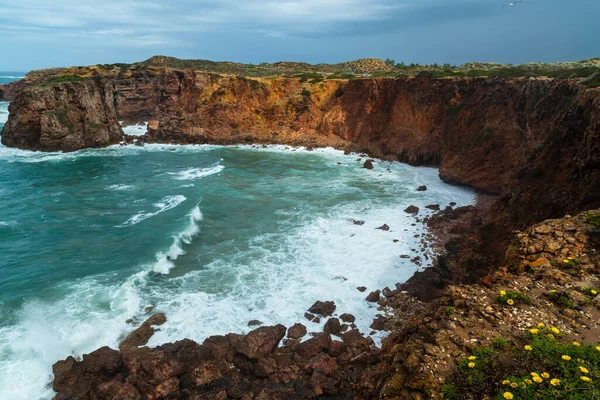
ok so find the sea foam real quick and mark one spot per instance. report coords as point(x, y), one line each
point(165, 204)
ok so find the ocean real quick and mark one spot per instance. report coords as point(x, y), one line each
point(214, 236)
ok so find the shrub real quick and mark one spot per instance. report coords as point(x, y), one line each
point(512, 298)
point(593, 219)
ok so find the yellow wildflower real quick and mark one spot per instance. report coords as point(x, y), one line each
point(583, 369)
point(576, 344)
point(569, 258)
point(534, 374)
point(528, 381)
point(503, 293)
point(541, 325)
point(472, 358)
point(566, 358)
point(537, 379)
point(510, 302)
point(528, 347)
point(534, 331)
point(514, 385)
point(505, 382)
point(545, 375)
point(555, 382)
point(555, 329)
point(594, 292)
point(585, 379)
point(551, 336)
point(508, 395)
point(566, 261)
point(471, 365)
point(598, 348)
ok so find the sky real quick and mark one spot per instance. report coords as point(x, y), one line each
point(41, 33)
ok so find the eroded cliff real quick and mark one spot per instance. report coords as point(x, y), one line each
point(66, 117)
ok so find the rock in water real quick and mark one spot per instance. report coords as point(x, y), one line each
point(422, 188)
point(373, 297)
point(384, 227)
point(323, 308)
point(332, 326)
point(141, 335)
point(368, 164)
point(412, 209)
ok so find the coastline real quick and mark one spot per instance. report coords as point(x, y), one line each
point(517, 141)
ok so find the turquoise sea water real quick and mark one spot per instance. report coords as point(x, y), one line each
point(213, 236)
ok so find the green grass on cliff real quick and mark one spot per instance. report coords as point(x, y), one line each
point(587, 71)
point(544, 366)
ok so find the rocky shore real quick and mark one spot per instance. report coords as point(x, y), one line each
point(531, 147)
point(420, 358)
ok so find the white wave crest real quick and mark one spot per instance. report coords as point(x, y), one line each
point(164, 261)
point(119, 187)
point(196, 173)
point(165, 204)
point(11, 77)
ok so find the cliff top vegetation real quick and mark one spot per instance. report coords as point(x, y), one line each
point(587, 70)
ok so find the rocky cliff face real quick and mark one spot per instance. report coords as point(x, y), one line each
point(67, 117)
point(533, 142)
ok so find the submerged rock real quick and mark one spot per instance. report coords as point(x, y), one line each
point(384, 227)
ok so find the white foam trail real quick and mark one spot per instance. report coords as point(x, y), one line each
point(120, 187)
point(165, 261)
point(196, 173)
point(165, 204)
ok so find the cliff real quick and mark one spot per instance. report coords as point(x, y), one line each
point(66, 117)
point(532, 145)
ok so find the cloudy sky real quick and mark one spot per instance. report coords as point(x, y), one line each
point(43, 33)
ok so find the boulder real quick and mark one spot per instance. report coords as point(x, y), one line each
point(254, 322)
point(412, 209)
point(262, 341)
point(373, 297)
point(348, 318)
point(332, 326)
point(384, 227)
point(141, 335)
point(422, 188)
point(361, 288)
point(296, 331)
point(319, 343)
point(434, 207)
point(368, 164)
point(323, 308)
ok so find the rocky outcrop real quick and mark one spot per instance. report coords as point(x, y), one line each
point(234, 366)
point(67, 117)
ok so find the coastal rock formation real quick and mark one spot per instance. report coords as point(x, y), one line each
point(515, 137)
point(66, 117)
point(233, 366)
